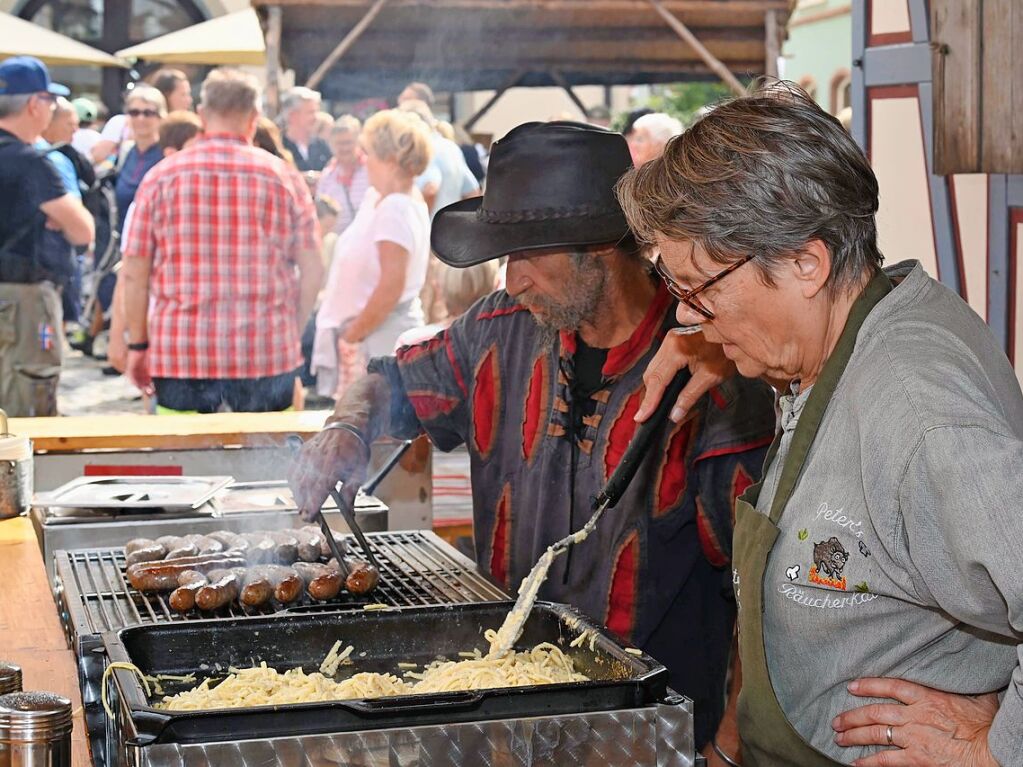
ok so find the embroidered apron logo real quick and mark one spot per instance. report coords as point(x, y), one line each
point(840, 519)
point(864, 550)
point(792, 573)
point(811, 599)
point(829, 560)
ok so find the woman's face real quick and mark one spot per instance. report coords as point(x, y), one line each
point(344, 146)
point(381, 172)
point(643, 147)
point(753, 321)
point(180, 97)
point(145, 120)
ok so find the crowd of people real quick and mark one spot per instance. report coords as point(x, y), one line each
point(361, 196)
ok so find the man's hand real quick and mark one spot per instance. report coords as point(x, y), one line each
point(928, 727)
point(706, 361)
point(331, 456)
point(138, 372)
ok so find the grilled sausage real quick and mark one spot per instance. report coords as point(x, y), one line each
point(287, 584)
point(163, 576)
point(321, 582)
point(150, 553)
point(325, 551)
point(205, 543)
point(221, 590)
point(257, 590)
point(309, 541)
point(182, 598)
point(231, 540)
point(177, 547)
point(262, 549)
point(138, 543)
point(285, 546)
point(362, 579)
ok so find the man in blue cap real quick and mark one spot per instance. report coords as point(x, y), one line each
point(32, 199)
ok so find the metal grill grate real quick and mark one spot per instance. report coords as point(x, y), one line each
point(417, 568)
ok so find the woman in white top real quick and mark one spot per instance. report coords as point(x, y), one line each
point(380, 260)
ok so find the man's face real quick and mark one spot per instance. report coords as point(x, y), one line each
point(303, 116)
point(62, 127)
point(344, 145)
point(40, 108)
point(562, 288)
point(407, 95)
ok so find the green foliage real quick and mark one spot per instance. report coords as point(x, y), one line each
point(684, 100)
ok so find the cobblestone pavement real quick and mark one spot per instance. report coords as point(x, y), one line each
point(84, 390)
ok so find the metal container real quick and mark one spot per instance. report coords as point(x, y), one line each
point(35, 730)
point(10, 678)
point(15, 472)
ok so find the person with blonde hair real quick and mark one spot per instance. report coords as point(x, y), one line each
point(380, 260)
point(145, 107)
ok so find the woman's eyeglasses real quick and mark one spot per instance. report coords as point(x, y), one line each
point(688, 297)
point(142, 113)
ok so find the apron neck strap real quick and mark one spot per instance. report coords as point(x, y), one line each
point(817, 403)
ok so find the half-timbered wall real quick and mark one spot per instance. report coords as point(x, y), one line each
point(967, 229)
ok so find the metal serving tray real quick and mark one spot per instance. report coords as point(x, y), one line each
point(118, 494)
point(619, 680)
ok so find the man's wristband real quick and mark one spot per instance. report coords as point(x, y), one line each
point(724, 757)
point(142, 346)
point(351, 430)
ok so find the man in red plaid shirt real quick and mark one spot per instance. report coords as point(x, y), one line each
point(222, 266)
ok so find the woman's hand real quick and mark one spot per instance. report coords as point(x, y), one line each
point(706, 361)
point(927, 726)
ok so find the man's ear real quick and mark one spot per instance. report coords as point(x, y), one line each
point(812, 267)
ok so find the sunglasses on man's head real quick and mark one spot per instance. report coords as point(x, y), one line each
point(143, 113)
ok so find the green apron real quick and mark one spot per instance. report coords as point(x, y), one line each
point(768, 740)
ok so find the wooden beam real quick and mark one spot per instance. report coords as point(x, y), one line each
point(346, 43)
point(587, 6)
point(772, 43)
point(273, 60)
point(511, 82)
point(557, 77)
point(712, 61)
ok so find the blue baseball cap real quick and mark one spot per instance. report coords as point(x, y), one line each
point(21, 75)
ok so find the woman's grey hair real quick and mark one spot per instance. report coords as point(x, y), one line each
point(295, 96)
point(148, 94)
point(346, 124)
point(762, 175)
point(661, 127)
point(12, 106)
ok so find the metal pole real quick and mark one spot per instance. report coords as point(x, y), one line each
point(557, 77)
point(709, 58)
point(346, 43)
point(273, 60)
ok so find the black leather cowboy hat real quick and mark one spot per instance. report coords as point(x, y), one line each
point(549, 185)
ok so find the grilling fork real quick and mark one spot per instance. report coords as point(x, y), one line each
point(511, 629)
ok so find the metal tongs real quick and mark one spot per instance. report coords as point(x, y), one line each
point(619, 480)
point(347, 507)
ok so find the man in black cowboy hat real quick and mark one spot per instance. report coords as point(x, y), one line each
point(541, 382)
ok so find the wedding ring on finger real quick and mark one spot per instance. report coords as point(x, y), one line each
point(888, 736)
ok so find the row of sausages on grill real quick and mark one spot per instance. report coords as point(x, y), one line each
point(252, 568)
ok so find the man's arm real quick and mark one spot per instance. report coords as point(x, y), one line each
point(71, 217)
point(135, 276)
point(310, 280)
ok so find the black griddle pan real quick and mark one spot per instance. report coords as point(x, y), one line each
point(381, 639)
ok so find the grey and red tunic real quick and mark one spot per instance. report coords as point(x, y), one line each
point(655, 570)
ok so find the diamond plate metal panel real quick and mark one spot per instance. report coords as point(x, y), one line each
point(656, 736)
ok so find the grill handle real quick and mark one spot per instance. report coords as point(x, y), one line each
point(641, 443)
point(448, 701)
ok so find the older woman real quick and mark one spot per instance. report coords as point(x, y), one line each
point(145, 107)
point(650, 134)
point(876, 566)
point(344, 179)
point(380, 260)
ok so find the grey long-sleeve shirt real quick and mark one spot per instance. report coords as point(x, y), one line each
point(900, 551)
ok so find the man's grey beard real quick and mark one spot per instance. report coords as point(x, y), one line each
point(587, 285)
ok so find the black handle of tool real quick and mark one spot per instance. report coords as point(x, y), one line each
point(392, 460)
point(640, 444)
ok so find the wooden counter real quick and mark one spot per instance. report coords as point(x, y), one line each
point(167, 432)
point(30, 632)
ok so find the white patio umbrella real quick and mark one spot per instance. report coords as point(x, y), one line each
point(23, 38)
point(235, 39)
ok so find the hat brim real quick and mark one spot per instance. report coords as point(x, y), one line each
point(59, 90)
point(460, 238)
